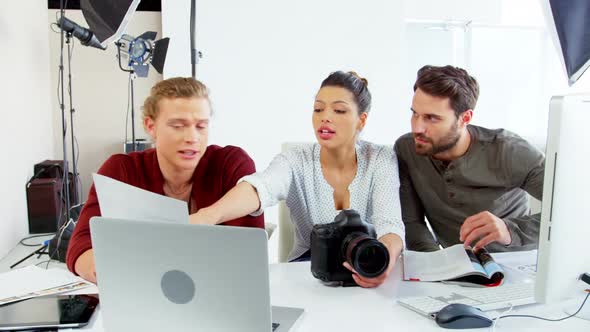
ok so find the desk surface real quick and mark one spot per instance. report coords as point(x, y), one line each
point(355, 308)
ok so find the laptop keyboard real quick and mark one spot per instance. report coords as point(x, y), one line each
point(275, 326)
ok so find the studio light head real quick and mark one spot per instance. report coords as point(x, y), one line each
point(86, 37)
point(144, 50)
point(108, 19)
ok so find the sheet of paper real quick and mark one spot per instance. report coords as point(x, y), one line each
point(32, 281)
point(123, 201)
point(438, 265)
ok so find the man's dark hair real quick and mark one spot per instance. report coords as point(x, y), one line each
point(451, 82)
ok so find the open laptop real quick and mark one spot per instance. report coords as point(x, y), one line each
point(179, 277)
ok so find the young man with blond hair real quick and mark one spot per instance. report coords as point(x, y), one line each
point(176, 115)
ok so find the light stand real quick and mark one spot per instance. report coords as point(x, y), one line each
point(194, 53)
point(64, 229)
point(75, 194)
point(66, 185)
point(141, 52)
point(107, 20)
point(131, 83)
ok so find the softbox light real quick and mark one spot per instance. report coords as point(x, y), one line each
point(108, 18)
point(569, 24)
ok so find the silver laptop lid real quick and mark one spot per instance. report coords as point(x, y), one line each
point(180, 277)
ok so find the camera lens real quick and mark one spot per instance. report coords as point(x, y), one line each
point(365, 254)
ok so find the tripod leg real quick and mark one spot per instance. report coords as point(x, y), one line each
point(38, 251)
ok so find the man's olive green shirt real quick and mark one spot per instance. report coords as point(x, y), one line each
point(494, 175)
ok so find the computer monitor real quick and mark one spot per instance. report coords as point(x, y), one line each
point(564, 239)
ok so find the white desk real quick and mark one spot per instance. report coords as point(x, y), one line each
point(358, 309)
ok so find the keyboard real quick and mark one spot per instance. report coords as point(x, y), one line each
point(485, 299)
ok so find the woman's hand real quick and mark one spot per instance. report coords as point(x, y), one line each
point(394, 245)
point(240, 201)
point(370, 282)
point(203, 217)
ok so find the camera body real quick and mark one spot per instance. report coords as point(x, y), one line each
point(347, 239)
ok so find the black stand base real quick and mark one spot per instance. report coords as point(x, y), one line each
point(36, 252)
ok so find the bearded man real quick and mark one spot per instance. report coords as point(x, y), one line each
point(469, 182)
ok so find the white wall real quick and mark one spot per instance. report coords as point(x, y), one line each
point(26, 110)
point(482, 11)
point(99, 95)
point(175, 24)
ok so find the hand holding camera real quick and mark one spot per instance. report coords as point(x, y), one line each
point(352, 241)
point(370, 282)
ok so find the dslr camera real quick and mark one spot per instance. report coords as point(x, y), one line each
point(347, 239)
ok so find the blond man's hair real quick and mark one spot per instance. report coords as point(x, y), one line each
point(176, 87)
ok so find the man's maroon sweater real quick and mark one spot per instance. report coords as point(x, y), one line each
point(218, 170)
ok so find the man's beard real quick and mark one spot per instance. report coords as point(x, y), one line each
point(446, 143)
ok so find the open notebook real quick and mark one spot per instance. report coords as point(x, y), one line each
point(454, 264)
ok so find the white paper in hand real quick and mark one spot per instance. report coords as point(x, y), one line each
point(123, 201)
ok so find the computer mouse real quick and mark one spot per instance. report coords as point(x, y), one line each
point(462, 316)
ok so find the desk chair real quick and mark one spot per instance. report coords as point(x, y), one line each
point(286, 229)
point(270, 229)
point(286, 233)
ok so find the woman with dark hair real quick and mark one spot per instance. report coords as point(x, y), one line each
point(317, 180)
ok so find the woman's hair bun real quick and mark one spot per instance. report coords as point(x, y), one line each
point(364, 80)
